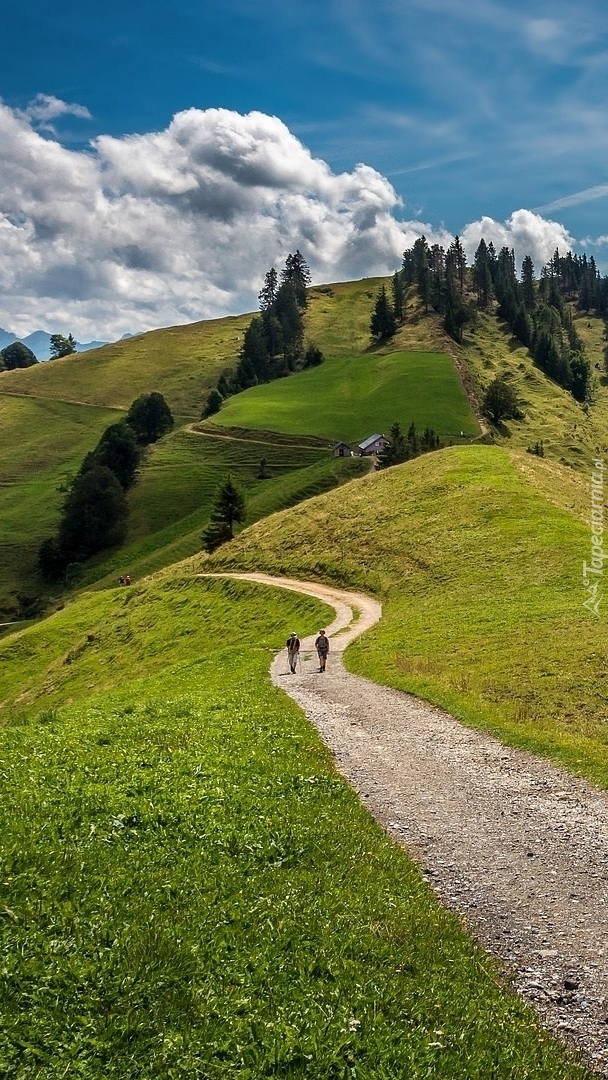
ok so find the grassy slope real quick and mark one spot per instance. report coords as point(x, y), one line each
point(351, 397)
point(42, 443)
point(171, 504)
point(482, 576)
point(181, 362)
point(570, 433)
point(188, 887)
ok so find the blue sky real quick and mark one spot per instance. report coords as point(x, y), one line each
point(462, 109)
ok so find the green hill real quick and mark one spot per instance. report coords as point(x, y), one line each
point(175, 839)
point(180, 362)
point(42, 443)
point(350, 397)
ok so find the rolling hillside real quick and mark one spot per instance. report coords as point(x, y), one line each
point(175, 837)
point(478, 553)
point(52, 414)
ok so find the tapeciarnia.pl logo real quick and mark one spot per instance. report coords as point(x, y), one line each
point(593, 572)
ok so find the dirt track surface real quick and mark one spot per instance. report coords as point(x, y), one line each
point(517, 846)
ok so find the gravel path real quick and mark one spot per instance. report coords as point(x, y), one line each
point(517, 846)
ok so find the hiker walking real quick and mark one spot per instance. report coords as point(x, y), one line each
point(293, 651)
point(322, 647)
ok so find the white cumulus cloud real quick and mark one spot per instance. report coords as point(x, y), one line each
point(526, 232)
point(177, 225)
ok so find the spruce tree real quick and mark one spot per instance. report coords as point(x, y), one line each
point(297, 274)
point(398, 296)
point(382, 323)
point(482, 276)
point(269, 290)
point(227, 510)
point(422, 271)
point(527, 283)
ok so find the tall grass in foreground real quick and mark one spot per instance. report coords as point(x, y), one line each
point(188, 888)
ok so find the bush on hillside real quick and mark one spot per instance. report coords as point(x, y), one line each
point(213, 404)
point(119, 451)
point(94, 516)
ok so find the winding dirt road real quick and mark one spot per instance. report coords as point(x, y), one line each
point(517, 846)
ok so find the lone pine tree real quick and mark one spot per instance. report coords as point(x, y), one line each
point(228, 508)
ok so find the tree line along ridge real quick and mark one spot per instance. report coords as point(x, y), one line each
point(537, 311)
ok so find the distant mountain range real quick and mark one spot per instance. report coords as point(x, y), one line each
point(40, 343)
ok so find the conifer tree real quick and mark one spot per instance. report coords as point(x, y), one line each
point(227, 510)
point(527, 284)
point(482, 276)
point(297, 274)
point(398, 296)
point(382, 324)
point(269, 290)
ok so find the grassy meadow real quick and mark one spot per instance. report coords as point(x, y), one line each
point(351, 397)
point(571, 433)
point(190, 890)
point(481, 574)
point(43, 442)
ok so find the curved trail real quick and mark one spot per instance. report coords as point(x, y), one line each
point(517, 846)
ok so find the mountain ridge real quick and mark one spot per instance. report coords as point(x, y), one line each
point(39, 341)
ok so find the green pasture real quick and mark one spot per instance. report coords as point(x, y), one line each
point(477, 554)
point(351, 397)
point(190, 890)
point(43, 442)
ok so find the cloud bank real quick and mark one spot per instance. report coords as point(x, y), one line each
point(178, 225)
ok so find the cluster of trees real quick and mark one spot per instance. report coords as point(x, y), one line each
point(403, 446)
point(388, 312)
point(537, 312)
point(61, 346)
point(95, 513)
point(273, 345)
point(440, 277)
point(18, 355)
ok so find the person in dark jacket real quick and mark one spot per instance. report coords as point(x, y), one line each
point(322, 647)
